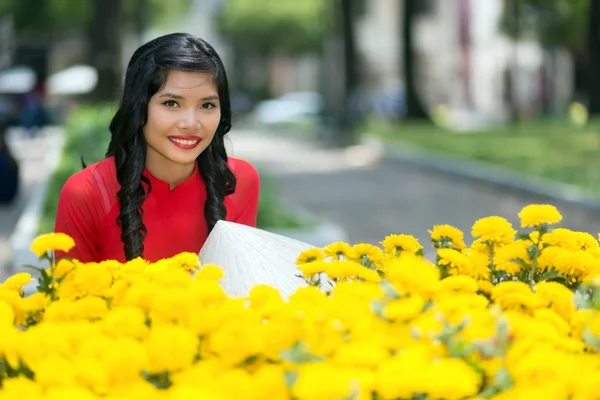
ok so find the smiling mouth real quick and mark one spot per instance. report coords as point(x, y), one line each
point(186, 144)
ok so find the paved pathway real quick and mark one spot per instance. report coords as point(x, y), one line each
point(369, 197)
point(372, 198)
point(31, 154)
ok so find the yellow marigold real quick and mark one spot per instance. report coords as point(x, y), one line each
point(211, 272)
point(7, 315)
point(480, 246)
point(551, 317)
point(557, 297)
point(410, 273)
point(310, 255)
point(460, 283)
point(17, 281)
point(456, 262)
point(313, 268)
point(478, 265)
point(404, 309)
point(50, 242)
point(372, 252)
point(570, 240)
point(187, 260)
point(170, 348)
point(338, 250)
point(367, 354)
point(485, 286)
point(515, 295)
point(340, 382)
point(494, 229)
point(395, 244)
point(447, 236)
point(452, 379)
point(536, 215)
point(512, 257)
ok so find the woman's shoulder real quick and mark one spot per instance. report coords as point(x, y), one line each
point(243, 170)
point(94, 179)
point(247, 178)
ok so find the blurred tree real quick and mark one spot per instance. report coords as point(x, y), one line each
point(286, 26)
point(414, 105)
point(555, 24)
point(594, 58)
point(103, 22)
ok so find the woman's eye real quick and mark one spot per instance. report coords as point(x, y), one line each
point(207, 106)
point(170, 103)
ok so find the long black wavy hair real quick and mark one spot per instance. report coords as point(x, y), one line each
point(146, 74)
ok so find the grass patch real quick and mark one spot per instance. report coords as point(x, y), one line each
point(87, 136)
point(554, 150)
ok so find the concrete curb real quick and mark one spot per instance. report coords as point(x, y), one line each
point(27, 225)
point(484, 173)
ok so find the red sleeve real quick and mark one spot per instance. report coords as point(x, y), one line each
point(246, 194)
point(77, 218)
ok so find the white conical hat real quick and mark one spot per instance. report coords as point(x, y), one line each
point(251, 256)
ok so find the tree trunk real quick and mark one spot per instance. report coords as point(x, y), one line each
point(351, 112)
point(340, 82)
point(414, 106)
point(594, 58)
point(104, 36)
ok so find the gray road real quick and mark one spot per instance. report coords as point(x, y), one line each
point(385, 196)
point(369, 197)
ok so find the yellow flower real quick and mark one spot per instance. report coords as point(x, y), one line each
point(186, 260)
point(312, 268)
point(459, 283)
point(372, 252)
point(309, 386)
point(310, 255)
point(339, 250)
point(170, 348)
point(16, 282)
point(395, 244)
point(367, 354)
point(513, 257)
point(485, 286)
point(447, 236)
point(515, 295)
point(494, 230)
point(210, 272)
point(404, 309)
point(85, 280)
point(452, 379)
point(125, 322)
point(7, 315)
point(536, 215)
point(51, 242)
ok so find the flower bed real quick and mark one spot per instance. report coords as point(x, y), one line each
point(512, 316)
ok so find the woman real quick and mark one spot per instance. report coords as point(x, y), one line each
point(166, 179)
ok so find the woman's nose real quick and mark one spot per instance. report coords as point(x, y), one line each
point(190, 121)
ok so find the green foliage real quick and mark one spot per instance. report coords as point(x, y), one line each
point(64, 17)
point(289, 26)
point(555, 23)
point(88, 136)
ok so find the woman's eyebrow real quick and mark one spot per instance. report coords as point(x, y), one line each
point(177, 96)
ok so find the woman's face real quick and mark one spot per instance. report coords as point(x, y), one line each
point(183, 117)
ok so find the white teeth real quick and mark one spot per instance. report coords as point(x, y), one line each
point(184, 142)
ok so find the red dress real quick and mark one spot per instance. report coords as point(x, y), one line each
point(88, 208)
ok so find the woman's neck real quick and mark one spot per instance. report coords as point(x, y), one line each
point(167, 171)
